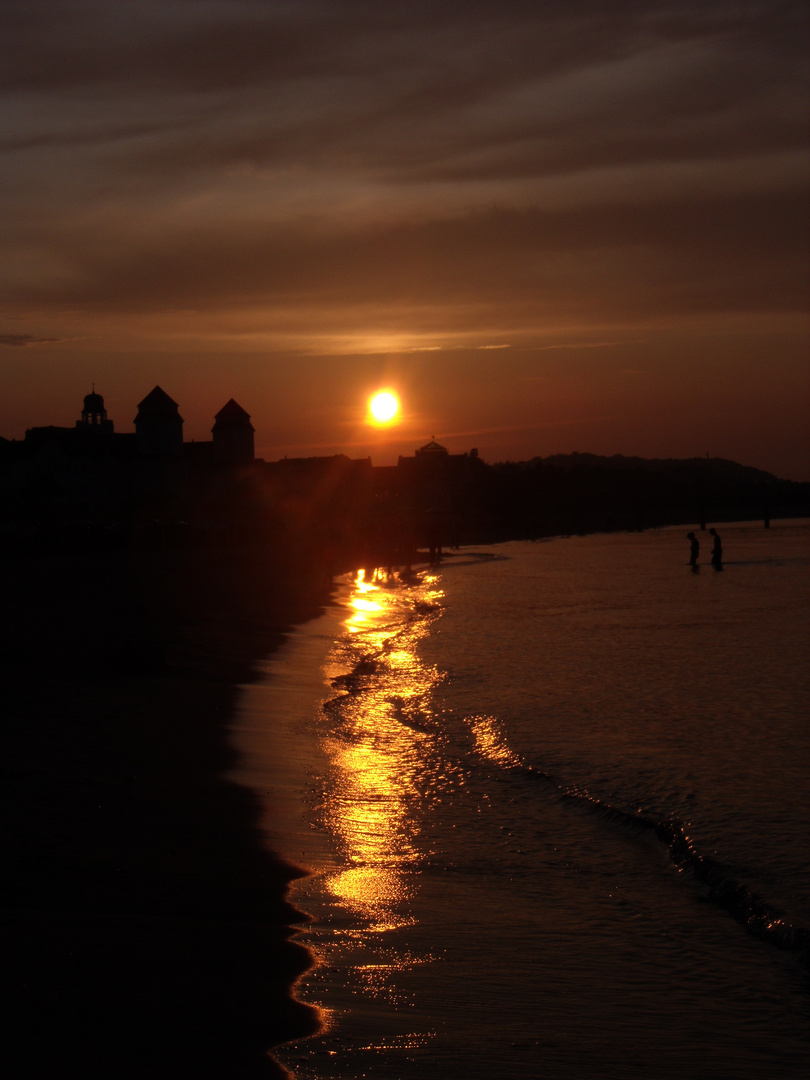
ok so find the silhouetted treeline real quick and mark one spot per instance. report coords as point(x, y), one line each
point(581, 493)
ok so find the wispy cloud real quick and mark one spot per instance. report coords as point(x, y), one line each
point(21, 340)
point(163, 154)
point(310, 177)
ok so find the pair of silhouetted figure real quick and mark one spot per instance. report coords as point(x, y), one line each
point(694, 551)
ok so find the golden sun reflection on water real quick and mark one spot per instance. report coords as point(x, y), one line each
point(377, 752)
point(386, 772)
point(361, 614)
point(490, 742)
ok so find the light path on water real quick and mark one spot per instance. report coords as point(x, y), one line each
point(467, 764)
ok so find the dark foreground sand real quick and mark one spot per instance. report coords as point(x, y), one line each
point(145, 928)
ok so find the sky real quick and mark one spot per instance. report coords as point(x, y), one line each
point(549, 226)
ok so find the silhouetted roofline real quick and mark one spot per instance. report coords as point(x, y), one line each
point(157, 398)
point(432, 447)
point(232, 413)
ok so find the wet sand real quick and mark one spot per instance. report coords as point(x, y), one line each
point(146, 926)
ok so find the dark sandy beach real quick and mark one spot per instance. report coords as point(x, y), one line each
point(146, 929)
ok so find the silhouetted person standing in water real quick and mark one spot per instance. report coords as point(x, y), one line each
point(717, 550)
point(694, 551)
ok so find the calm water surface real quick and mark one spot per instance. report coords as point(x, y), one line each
point(553, 799)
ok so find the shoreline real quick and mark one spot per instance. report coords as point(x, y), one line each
point(147, 926)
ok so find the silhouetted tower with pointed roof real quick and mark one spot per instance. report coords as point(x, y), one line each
point(233, 435)
point(159, 426)
point(94, 415)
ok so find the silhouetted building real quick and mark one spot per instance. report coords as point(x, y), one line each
point(91, 437)
point(159, 426)
point(435, 459)
point(434, 477)
point(430, 496)
point(232, 435)
point(431, 451)
point(94, 415)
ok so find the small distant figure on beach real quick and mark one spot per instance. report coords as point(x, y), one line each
point(694, 551)
point(717, 550)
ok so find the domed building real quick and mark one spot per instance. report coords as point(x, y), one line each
point(94, 415)
point(93, 434)
point(432, 451)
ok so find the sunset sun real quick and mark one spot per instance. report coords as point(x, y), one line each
point(383, 408)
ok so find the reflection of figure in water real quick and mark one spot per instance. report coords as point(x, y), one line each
point(717, 550)
point(694, 551)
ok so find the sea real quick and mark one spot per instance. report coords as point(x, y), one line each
point(551, 801)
